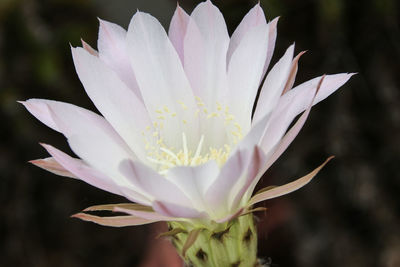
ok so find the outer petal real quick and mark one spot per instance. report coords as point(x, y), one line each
point(51, 165)
point(177, 30)
point(86, 132)
point(154, 216)
point(274, 154)
point(113, 51)
point(83, 171)
point(297, 100)
point(271, 42)
point(287, 188)
point(244, 73)
point(253, 18)
point(88, 48)
point(114, 221)
point(274, 85)
point(161, 78)
point(178, 211)
point(116, 102)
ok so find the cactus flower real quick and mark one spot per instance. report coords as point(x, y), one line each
point(177, 136)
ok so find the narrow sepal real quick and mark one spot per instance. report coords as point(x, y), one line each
point(287, 188)
point(113, 221)
point(192, 237)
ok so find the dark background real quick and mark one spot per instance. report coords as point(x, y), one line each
point(348, 216)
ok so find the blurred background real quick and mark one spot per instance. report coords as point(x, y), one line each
point(348, 216)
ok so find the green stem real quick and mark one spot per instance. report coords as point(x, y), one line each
point(232, 244)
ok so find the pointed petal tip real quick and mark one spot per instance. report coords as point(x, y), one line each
point(34, 161)
point(275, 20)
point(77, 215)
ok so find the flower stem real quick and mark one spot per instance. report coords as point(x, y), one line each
point(230, 244)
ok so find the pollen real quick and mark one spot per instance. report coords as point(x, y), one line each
point(167, 158)
point(163, 156)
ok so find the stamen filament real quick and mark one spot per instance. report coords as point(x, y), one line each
point(172, 154)
point(198, 150)
point(185, 149)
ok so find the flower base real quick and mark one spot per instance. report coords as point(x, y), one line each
point(228, 244)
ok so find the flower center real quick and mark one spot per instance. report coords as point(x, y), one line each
point(166, 157)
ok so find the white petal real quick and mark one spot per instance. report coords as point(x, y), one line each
point(297, 100)
point(274, 85)
point(194, 181)
point(51, 165)
point(90, 136)
point(244, 73)
point(271, 42)
point(95, 178)
point(176, 210)
point(275, 152)
point(254, 17)
point(113, 51)
point(83, 171)
point(206, 45)
point(177, 30)
point(115, 101)
point(234, 179)
point(161, 78)
point(153, 184)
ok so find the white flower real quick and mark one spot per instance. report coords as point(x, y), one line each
point(176, 133)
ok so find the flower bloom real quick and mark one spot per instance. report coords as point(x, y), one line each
point(177, 136)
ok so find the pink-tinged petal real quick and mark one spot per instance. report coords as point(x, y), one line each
point(293, 72)
point(113, 51)
point(51, 165)
point(92, 176)
point(287, 188)
point(231, 216)
point(297, 100)
point(111, 207)
point(155, 185)
point(82, 170)
point(274, 85)
point(255, 17)
point(119, 105)
point(271, 42)
point(244, 73)
point(88, 48)
point(40, 109)
point(114, 221)
point(175, 210)
point(218, 193)
point(242, 167)
point(86, 132)
point(177, 30)
point(153, 216)
point(275, 152)
point(254, 169)
point(256, 133)
point(206, 45)
point(161, 78)
point(194, 181)
point(292, 133)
